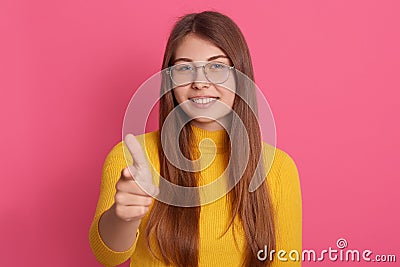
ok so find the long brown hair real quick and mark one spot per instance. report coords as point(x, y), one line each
point(176, 229)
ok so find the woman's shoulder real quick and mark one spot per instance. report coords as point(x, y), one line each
point(280, 166)
point(278, 157)
point(146, 139)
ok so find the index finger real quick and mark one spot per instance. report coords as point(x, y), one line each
point(135, 150)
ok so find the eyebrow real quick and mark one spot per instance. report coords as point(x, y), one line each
point(190, 60)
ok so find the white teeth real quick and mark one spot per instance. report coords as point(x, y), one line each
point(202, 100)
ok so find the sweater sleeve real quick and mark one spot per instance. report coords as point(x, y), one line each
point(288, 212)
point(113, 165)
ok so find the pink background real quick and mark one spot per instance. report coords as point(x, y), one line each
point(329, 69)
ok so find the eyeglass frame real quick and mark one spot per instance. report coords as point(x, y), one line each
point(169, 71)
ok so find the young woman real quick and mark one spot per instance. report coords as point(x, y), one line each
point(204, 53)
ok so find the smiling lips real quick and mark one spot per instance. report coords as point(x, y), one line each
point(203, 101)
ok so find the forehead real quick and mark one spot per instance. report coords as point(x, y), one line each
point(197, 48)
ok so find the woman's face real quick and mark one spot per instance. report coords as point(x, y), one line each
point(207, 103)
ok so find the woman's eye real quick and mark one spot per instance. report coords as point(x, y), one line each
point(184, 68)
point(217, 66)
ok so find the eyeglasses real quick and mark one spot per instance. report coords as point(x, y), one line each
point(185, 73)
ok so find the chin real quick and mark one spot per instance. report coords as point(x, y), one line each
point(204, 120)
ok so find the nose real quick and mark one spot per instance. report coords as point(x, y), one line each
point(200, 85)
point(200, 81)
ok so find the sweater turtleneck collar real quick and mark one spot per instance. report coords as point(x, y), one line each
point(220, 138)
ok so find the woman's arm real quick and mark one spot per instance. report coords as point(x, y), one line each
point(117, 234)
point(112, 167)
point(122, 204)
point(288, 208)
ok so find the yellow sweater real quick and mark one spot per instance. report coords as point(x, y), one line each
point(283, 184)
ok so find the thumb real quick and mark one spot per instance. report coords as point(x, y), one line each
point(126, 174)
